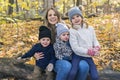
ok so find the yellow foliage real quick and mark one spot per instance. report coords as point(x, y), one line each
point(32, 61)
point(25, 6)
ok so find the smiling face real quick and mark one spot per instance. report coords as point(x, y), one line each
point(76, 20)
point(52, 17)
point(45, 41)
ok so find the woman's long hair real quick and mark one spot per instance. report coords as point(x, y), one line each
point(51, 26)
point(46, 17)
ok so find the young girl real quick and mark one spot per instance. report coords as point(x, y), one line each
point(61, 46)
point(63, 51)
point(83, 41)
point(48, 59)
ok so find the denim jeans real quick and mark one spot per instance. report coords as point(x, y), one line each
point(83, 70)
point(78, 68)
point(63, 67)
point(92, 68)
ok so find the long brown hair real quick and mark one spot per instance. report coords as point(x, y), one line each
point(46, 16)
point(50, 26)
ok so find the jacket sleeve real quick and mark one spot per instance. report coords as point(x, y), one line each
point(58, 51)
point(53, 58)
point(30, 53)
point(74, 44)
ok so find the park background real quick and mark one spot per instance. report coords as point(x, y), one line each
point(20, 20)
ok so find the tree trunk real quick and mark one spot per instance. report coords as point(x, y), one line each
point(10, 8)
point(77, 2)
point(17, 8)
point(91, 6)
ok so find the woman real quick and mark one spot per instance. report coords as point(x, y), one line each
point(62, 67)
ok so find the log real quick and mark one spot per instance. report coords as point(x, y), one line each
point(17, 69)
point(11, 67)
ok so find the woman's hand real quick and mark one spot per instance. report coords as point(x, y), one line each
point(38, 55)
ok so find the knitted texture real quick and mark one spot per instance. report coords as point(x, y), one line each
point(61, 28)
point(73, 11)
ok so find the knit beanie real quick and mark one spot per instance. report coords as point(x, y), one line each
point(61, 28)
point(73, 11)
point(44, 32)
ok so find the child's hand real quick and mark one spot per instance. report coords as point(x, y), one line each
point(91, 51)
point(97, 48)
point(19, 58)
point(50, 67)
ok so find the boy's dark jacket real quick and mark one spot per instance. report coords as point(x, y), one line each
point(49, 55)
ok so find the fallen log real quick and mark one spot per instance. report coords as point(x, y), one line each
point(17, 69)
point(11, 67)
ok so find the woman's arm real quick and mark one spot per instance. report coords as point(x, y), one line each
point(38, 55)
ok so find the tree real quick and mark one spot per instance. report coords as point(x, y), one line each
point(10, 8)
point(78, 2)
point(17, 9)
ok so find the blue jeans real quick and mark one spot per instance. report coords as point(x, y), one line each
point(63, 67)
point(78, 68)
point(92, 68)
point(83, 70)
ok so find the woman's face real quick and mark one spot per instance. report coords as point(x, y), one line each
point(52, 17)
point(76, 20)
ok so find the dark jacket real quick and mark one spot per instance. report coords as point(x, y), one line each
point(49, 55)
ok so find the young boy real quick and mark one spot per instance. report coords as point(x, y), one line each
point(45, 48)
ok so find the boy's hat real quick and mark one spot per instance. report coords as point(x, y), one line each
point(44, 32)
point(61, 28)
point(73, 11)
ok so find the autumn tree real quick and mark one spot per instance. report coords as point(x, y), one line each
point(10, 8)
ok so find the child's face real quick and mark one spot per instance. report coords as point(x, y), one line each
point(52, 17)
point(64, 36)
point(45, 41)
point(76, 20)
